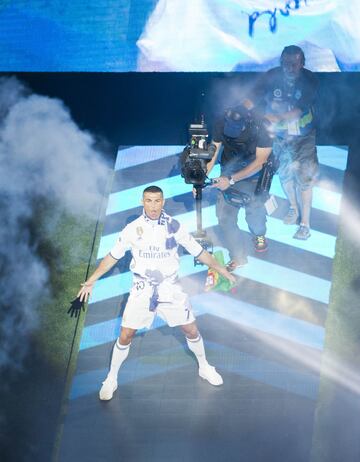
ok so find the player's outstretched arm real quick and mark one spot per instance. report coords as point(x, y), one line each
point(86, 288)
point(206, 258)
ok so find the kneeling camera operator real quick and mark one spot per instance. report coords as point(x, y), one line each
point(246, 171)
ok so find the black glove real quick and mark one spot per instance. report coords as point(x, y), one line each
point(76, 307)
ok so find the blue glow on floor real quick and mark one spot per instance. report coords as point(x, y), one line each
point(257, 320)
point(333, 156)
point(319, 243)
point(323, 199)
point(242, 313)
point(261, 271)
point(130, 198)
point(225, 307)
point(108, 331)
point(100, 333)
point(138, 155)
point(242, 364)
point(286, 279)
point(261, 319)
point(111, 286)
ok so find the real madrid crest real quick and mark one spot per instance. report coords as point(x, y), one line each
point(139, 232)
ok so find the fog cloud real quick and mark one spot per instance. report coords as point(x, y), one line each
point(43, 154)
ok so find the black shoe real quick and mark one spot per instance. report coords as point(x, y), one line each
point(260, 243)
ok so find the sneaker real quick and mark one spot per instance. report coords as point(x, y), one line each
point(260, 243)
point(302, 233)
point(292, 217)
point(232, 265)
point(209, 373)
point(108, 388)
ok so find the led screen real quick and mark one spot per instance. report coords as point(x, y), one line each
point(176, 35)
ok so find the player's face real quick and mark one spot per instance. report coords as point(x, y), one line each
point(153, 204)
point(291, 65)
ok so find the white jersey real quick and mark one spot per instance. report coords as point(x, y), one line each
point(154, 246)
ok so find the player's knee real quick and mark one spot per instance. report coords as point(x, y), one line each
point(190, 330)
point(126, 335)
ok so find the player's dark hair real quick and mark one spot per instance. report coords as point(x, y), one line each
point(153, 189)
point(293, 50)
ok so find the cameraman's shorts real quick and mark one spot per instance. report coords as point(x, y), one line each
point(173, 305)
point(297, 160)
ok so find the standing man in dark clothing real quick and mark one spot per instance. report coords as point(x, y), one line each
point(246, 148)
point(288, 93)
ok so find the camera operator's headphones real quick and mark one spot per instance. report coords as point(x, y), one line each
point(236, 120)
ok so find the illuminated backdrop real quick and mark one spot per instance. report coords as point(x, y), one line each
point(176, 35)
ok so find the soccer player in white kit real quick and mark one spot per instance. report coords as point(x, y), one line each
point(153, 240)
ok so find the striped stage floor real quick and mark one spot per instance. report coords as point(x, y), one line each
point(266, 339)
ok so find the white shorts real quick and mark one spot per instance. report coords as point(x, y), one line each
point(173, 307)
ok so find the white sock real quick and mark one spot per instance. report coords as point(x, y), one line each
point(119, 354)
point(196, 345)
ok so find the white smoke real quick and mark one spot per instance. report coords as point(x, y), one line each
point(43, 154)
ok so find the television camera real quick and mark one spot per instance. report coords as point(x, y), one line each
point(197, 153)
point(193, 162)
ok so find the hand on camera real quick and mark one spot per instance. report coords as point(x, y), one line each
point(221, 182)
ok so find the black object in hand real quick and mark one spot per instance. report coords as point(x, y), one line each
point(76, 307)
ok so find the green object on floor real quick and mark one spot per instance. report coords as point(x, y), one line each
point(214, 280)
